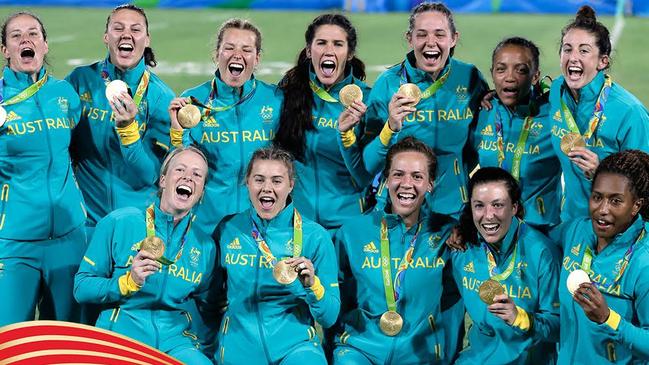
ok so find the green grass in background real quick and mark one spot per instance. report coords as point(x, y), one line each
point(183, 41)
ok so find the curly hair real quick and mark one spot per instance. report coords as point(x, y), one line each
point(634, 165)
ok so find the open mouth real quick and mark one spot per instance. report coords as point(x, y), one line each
point(27, 54)
point(406, 198)
point(602, 224)
point(125, 49)
point(510, 91)
point(490, 227)
point(432, 55)
point(236, 68)
point(266, 202)
point(575, 72)
point(184, 192)
point(328, 67)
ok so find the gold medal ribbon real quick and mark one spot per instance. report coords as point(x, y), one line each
point(432, 89)
point(25, 94)
point(212, 96)
point(322, 93)
point(297, 239)
point(494, 272)
point(150, 232)
point(392, 291)
point(520, 145)
point(597, 112)
point(587, 260)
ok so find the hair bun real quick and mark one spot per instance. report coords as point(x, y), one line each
point(585, 16)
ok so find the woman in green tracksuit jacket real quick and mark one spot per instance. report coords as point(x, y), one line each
point(516, 133)
point(316, 112)
point(592, 116)
point(142, 285)
point(508, 277)
point(606, 319)
point(42, 238)
point(281, 273)
point(451, 92)
point(239, 115)
point(404, 242)
point(119, 144)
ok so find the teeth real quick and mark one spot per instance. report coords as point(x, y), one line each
point(431, 54)
point(328, 64)
point(125, 47)
point(491, 227)
point(406, 196)
point(184, 189)
point(236, 67)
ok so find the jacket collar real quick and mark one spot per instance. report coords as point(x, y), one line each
point(225, 92)
point(18, 80)
point(281, 220)
point(131, 76)
point(416, 75)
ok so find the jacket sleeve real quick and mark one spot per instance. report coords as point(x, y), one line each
point(545, 321)
point(323, 297)
point(633, 337)
point(368, 153)
point(143, 151)
point(97, 280)
point(634, 130)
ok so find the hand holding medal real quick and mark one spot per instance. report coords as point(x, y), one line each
point(489, 289)
point(303, 269)
point(144, 264)
point(402, 103)
point(351, 97)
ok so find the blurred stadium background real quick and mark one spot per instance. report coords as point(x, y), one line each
point(183, 32)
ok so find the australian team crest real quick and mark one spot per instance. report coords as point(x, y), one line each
point(266, 113)
point(434, 241)
point(536, 129)
point(194, 255)
point(461, 92)
point(63, 104)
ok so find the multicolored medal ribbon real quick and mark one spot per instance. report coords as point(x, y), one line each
point(520, 145)
point(587, 260)
point(597, 112)
point(20, 97)
point(391, 322)
point(492, 286)
point(155, 242)
point(432, 89)
point(282, 272)
point(207, 106)
point(141, 87)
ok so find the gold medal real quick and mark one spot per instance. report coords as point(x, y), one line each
point(3, 116)
point(189, 116)
point(284, 273)
point(570, 141)
point(350, 93)
point(489, 289)
point(411, 91)
point(391, 323)
point(154, 246)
